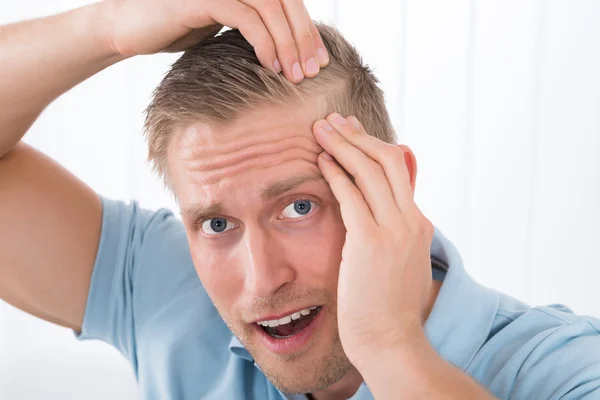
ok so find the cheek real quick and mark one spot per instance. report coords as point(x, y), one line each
point(219, 276)
point(319, 251)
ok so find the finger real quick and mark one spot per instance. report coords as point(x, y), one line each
point(300, 24)
point(235, 14)
point(369, 175)
point(272, 15)
point(322, 54)
point(389, 156)
point(354, 209)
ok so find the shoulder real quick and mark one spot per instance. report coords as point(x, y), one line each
point(539, 352)
point(154, 245)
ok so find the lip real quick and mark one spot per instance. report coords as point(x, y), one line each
point(292, 344)
point(285, 314)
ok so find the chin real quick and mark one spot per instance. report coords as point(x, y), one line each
point(305, 360)
point(307, 375)
point(318, 364)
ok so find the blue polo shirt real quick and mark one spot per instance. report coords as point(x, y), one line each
point(146, 300)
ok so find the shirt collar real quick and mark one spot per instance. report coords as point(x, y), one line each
point(238, 349)
point(464, 311)
point(462, 315)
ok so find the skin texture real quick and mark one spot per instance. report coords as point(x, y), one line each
point(270, 261)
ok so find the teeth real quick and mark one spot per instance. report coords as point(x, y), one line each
point(287, 319)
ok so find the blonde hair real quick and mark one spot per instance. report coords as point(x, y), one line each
point(220, 77)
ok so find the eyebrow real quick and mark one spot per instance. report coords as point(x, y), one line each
point(196, 212)
point(275, 189)
point(278, 188)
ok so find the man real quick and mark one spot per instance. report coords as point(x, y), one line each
point(315, 264)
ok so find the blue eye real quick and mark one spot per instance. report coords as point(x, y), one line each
point(298, 209)
point(214, 226)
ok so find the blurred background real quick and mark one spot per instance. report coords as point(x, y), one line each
point(500, 100)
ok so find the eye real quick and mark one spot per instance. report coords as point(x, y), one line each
point(214, 226)
point(298, 209)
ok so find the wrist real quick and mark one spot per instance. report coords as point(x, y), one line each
point(98, 22)
point(405, 367)
point(401, 350)
point(399, 337)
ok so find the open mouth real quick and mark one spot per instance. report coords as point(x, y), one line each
point(290, 325)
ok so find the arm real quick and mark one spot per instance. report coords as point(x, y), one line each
point(414, 369)
point(50, 222)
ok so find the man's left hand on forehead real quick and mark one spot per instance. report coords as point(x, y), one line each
point(385, 274)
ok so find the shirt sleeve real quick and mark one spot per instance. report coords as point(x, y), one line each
point(143, 263)
point(564, 365)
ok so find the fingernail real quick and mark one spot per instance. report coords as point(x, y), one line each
point(323, 57)
point(297, 72)
point(326, 156)
point(312, 67)
point(338, 119)
point(277, 66)
point(325, 126)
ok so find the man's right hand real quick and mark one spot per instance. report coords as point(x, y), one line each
point(281, 31)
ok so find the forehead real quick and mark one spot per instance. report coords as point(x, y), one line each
point(236, 160)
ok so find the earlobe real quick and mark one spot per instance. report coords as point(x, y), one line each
point(411, 165)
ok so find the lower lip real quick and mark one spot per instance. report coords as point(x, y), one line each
point(293, 343)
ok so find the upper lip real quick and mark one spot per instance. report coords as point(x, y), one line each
point(283, 314)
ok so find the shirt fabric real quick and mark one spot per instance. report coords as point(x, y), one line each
point(146, 300)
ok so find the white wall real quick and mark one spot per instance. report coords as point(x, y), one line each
point(500, 100)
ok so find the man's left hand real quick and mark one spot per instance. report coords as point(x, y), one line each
point(385, 274)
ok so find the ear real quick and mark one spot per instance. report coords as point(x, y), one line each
point(411, 165)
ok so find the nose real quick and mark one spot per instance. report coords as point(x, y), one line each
point(267, 268)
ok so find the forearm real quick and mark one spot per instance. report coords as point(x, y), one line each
point(415, 371)
point(41, 59)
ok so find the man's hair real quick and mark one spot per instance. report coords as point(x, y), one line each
point(221, 77)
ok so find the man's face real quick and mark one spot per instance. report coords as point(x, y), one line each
point(266, 237)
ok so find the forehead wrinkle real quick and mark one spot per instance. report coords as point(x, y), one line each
point(255, 164)
point(227, 155)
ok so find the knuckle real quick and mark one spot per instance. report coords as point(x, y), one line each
point(376, 169)
point(287, 48)
point(371, 242)
point(305, 39)
point(292, 2)
point(399, 235)
point(265, 43)
point(354, 196)
point(269, 6)
point(394, 153)
point(427, 228)
point(250, 16)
